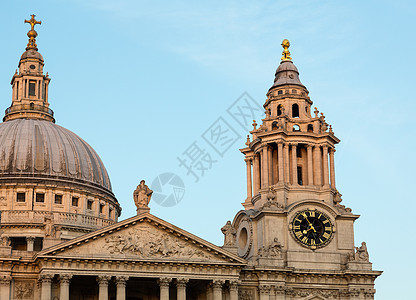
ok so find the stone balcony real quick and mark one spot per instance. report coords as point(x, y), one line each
point(23, 217)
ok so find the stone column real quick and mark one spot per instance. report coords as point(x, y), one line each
point(264, 168)
point(5, 287)
point(280, 162)
point(46, 280)
point(249, 187)
point(181, 288)
point(294, 165)
point(332, 166)
point(164, 288)
point(64, 281)
point(30, 241)
point(317, 166)
point(325, 167)
point(286, 162)
point(103, 286)
point(256, 174)
point(233, 290)
point(264, 292)
point(121, 287)
point(270, 165)
point(310, 165)
point(217, 289)
point(209, 292)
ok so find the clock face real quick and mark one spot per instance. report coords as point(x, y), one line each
point(312, 228)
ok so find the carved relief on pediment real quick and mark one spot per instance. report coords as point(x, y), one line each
point(151, 242)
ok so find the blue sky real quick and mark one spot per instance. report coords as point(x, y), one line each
point(141, 81)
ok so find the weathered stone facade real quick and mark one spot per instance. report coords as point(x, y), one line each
point(60, 238)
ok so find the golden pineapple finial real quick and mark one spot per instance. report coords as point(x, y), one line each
point(286, 53)
point(32, 34)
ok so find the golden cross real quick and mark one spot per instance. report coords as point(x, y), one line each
point(33, 22)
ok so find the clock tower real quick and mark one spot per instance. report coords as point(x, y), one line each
point(296, 235)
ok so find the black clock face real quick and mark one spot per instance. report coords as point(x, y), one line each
point(312, 228)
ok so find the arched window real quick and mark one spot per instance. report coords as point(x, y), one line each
point(296, 128)
point(279, 109)
point(295, 111)
point(274, 126)
point(310, 128)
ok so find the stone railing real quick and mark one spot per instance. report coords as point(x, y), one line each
point(33, 107)
point(59, 218)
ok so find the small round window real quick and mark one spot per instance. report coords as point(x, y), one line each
point(32, 67)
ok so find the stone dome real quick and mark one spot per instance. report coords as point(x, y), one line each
point(38, 148)
point(286, 73)
point(31, 53)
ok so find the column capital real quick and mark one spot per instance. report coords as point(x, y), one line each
point(46, 278)
point(103, 280)
point(121, 280)
point(65, 278)
point(164, 281)
point(332, 150)
point(264, 288)
point(5, 279)
point(217, 284)
point(309, 145)
point(248, 159)
point(279, 289)
point(30, 239)
point(181, 282)
point(234, 285)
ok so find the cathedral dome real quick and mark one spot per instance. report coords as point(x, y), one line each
point(39, 148)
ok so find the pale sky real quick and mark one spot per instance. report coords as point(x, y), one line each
point(141, 81)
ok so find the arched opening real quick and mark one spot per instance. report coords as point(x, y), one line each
point(32, 105)
point(296, 127)
point(274, 126)
point(310, 128)
point(295, 111)
point(279, 109)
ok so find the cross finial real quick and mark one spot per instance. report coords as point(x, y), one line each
point(286, 53)
point(32, 34)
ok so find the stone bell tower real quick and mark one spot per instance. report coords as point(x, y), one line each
point(293, 222)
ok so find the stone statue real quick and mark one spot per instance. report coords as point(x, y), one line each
point(275, 248)
point(142, 195)
point(229, 234)
point(49, 228)
point(361, 253)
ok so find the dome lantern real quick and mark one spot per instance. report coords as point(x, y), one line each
point(29, 84)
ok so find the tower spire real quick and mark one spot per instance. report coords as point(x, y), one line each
point(286, 53)
point(32, 34)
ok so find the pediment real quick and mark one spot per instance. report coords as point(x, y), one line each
point(142, 238)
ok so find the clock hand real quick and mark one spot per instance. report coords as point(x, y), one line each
point(310, 224)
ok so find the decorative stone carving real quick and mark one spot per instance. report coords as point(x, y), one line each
point(273, 250)
point(5, 280)
point(142, 196)
point(151, 243)
point(103, 280)
point(360, 253)
point(245, 295)
point(121, 280)
point(229, 234)
point(65, 278)
point(181, 282)
point(271, 203)
point(23, 290)
point(341, 208)
point(45, 278)
point(164, 281)
point(369, 294)
point(5, 241)
point(264, 289)
point(327, 294)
